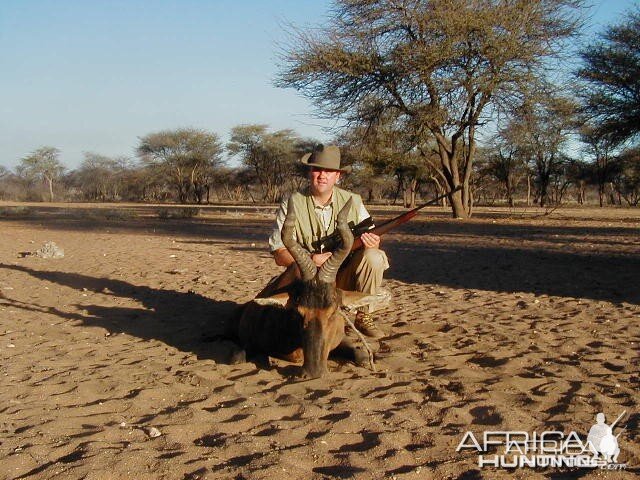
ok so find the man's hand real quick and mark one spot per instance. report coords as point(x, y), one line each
point(370, 240)
point(320, 258)
point(282, 257)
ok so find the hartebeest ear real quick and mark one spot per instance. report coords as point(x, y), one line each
point(279, 299)
point(308, 269)
point(329, 269)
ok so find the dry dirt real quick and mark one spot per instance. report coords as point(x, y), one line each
point(112, 368)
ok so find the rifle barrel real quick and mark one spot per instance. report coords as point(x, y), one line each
point(618, 419)
point(400, 219)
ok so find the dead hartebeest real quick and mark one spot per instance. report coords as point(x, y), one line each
point(304, 323)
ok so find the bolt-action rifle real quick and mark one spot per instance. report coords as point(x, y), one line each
point(333, 241)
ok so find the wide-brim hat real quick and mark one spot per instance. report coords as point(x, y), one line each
point(325, 157)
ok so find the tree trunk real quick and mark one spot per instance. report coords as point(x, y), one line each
point(181, 195)
point(50, 180)
point(544, 188)
point(247, 188)
point(440, 191)
point(395, 197)
point(450, 172)
point(457, 205)
point(507, 184)
point(601, 194)
point(410, 194)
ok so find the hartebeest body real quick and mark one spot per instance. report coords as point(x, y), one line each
point(304, 323)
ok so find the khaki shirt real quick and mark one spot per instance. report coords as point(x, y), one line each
point(324, 213)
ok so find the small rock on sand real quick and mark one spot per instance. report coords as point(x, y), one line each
point(49, 250)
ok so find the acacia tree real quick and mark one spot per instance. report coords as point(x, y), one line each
point(626, 177)
point(43, 164)
point(440, 65)
point(185, 155)
point(145, 183)
point(270, 156)
point(100, 177)
point(600, 148)
point(384, 149)
point(611, 76)
point(5, 174)
point(504, 162)
point(539, 128)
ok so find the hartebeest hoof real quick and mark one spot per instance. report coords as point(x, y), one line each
point(237, 355)
point(361, 357)
point(351, 348)
point(314, 373)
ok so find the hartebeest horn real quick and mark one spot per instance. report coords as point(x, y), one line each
point(329, 269)
point(308, 269)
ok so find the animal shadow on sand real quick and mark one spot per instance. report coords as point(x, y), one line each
point(187, 321)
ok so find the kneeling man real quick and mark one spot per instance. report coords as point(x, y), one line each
point(316, 209)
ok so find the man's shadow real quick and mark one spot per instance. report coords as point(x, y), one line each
point(187, 321)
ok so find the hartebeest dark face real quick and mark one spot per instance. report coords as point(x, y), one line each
point(316, 297)
point(322, 327)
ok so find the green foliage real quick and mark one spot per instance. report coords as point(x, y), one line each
point(503, 163)
point(187, 156)
point(101, 178)
point(539, 130)
point(611, 75)
point(438, 65)
point(42, 164)
point(626, 177)
point(383, 154)
point(270, 157)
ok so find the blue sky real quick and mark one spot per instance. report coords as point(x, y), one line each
point(95, 75)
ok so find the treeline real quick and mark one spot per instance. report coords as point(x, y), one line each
point(184, 165)
point(438, 96)
point(187, 166)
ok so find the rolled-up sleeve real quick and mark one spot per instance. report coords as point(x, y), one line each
point(275, 239)
point(362, 212)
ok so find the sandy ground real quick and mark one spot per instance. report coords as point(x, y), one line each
point(508, 321)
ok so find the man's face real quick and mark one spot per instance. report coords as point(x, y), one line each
point(322, 181)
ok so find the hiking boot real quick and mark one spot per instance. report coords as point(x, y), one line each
point(364, 323)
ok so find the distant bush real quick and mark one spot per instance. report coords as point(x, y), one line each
point(15, 211)
point(118, 214)
point(170, 213)
point(100, 214)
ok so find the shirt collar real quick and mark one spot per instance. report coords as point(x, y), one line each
point(329, 203)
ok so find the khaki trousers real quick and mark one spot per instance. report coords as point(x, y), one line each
point(361, 273)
